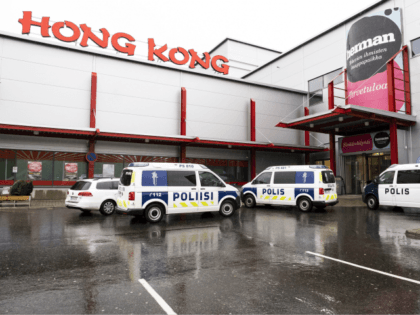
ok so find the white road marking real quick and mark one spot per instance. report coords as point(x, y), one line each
point(157, 297)
point(366, 268)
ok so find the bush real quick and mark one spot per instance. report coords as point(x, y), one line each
point(21, 188)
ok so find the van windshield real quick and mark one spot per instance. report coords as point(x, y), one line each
point(328, 177)
point(126, 177)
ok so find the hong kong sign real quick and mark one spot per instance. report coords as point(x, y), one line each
point(371, 42)
point(190, 57)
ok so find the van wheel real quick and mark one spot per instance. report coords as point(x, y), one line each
point(107, 207)
point(227, 209)
point(154, 213)
point(249, 201)
point(304, 204)
point(372, 202)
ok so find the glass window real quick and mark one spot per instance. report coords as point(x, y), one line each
point(209, 180)
point(328, 177)
point(81, 186)
point(181, 178)
point(284, 177)
point(329, 76)
point(408, 177)
point(69, 167)
point(264, 178)
point(387, 178)
point(104, 186)
point(415, 47)
point(315, 87)
point(125, 179)
point(114, 185)
point(35, 166)
point(7, 161)
point(108, 165)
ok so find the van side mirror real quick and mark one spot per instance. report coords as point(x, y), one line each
point(376, 180)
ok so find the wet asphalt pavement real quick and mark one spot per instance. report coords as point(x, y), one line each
point(64, 261)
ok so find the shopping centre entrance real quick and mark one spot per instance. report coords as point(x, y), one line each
point(361, 169)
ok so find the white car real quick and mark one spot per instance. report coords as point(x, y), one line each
point(93, 194)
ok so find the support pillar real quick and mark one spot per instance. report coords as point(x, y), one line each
point(307, 139)
point(93, 88)
point(331, 95)
point(183, 153)
point(407, 91)
point(393, 137)
point(333, 164)
point(391, 86)
point(183, 111)
point(252, 111)
point(253, 164)
point(91, 165)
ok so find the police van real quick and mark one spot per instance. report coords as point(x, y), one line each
point(155, 189)
point(398, 185)
point(304, 185)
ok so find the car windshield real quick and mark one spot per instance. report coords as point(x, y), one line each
point(81, 186)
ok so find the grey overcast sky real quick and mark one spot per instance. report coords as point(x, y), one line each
point(201, 25)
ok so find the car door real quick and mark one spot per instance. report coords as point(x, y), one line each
point(407, 188)
point(263, 185)
point(210, 187)
point(386, 189)
point(104, 191)
point(183, 195)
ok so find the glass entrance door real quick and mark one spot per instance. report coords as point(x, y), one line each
point(361, 169)
point(377, 163)
point(355, 170)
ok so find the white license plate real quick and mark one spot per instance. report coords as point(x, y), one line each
point(73, 198)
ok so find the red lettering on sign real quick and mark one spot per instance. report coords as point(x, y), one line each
point(128, 49)
point(172, 53)
point(26, 22)
point(157, 52)
point(223, 68)
point(203, 63)
point(59, 25)
point(87, 33)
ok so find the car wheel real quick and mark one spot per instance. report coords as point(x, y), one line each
point(154, 213)
point(372, 202)
point(249, 201)
point(107, 207)
point(304, 204)
point(227, 208)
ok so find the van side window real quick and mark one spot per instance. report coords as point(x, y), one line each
point(264, 178)
point(328, 177)
point(284, 177)
point(408, 177)
point(387, 178)
point(209, 180)
point(181, 178)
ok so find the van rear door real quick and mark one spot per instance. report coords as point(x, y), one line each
point(127, 177)
point(328, 184)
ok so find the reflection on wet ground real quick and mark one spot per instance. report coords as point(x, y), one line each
point(62, 261)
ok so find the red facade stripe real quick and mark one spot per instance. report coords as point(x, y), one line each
point(7, 154)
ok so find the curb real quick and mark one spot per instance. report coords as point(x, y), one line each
point(414, 233)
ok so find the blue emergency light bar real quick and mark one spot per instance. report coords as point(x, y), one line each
point(138, 164)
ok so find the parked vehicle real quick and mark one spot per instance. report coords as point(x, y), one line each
point(93, 194)
point(398, 185)
point(300, 185)
point(156, 189)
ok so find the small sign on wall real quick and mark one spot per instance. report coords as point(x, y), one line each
point(15, 169)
